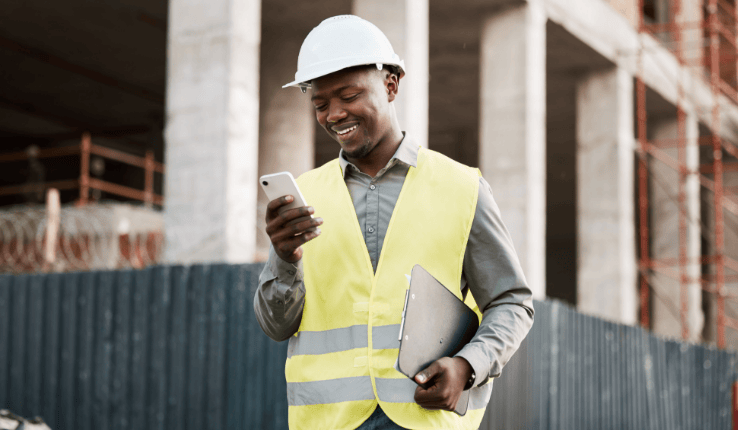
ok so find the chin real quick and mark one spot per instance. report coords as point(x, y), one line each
point(360, 152)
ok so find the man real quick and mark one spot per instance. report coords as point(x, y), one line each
point(338, 298)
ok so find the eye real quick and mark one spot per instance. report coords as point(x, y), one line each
point(320, 108)
point(350, 97)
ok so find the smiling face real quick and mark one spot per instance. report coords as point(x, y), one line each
point(353, 106)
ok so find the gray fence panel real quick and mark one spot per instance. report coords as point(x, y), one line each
point(5, 327)
point(178, 347)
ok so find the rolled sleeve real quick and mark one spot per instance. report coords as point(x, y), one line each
point(280, 297)
point(496, 281)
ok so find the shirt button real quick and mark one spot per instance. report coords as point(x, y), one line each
point(279, 302)
point(372, 187)
point(371, 229)
point(291, 272)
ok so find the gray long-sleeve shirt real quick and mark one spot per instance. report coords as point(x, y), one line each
point(491, 269)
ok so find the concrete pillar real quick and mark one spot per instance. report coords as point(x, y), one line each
point(689, 13)
point(405, 23)
point(665, 234)
point(287, 118)
point(730, 240)
point(212, 130)
point(730, 182)
point(512, 153)
point(606, 272)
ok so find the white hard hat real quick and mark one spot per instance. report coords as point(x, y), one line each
point(340, 42)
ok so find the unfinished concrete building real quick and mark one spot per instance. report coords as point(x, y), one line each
point(607, 129)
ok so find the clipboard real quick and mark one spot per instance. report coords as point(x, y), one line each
point(435, 324)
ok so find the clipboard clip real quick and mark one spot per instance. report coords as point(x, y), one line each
point(404, 312)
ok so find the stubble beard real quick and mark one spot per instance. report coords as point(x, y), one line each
point(362, 151)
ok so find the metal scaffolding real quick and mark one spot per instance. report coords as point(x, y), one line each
point(711, 61)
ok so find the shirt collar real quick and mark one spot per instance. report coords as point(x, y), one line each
point(406, 153)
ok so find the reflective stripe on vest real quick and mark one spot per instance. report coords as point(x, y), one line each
point(331, 391)
point(360, 388)
point(340, 363)
point(343, 339)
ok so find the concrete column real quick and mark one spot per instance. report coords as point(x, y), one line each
point(665, 234)
point(212, 130)
point(730, 240)
point(512, 153)
point(689, 13)
point(287, 118)
point(730, 182)
point(606, 272)
point(405, 23)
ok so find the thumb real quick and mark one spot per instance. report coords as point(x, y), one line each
point(428, 373)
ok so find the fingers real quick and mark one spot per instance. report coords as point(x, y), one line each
point(289, 249)
point(291, 228)
point(277, 203)
point(435, 390)
point(276, 221)
point(428, 373)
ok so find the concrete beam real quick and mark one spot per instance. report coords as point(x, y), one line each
point(606, 272)
point(98, 77)
point(611, 34)
point(212, 130)
point(512, 153)
point(407, 29)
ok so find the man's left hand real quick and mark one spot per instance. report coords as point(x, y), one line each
point(444, 380)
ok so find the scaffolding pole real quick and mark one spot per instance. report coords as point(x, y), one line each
point(719, 24)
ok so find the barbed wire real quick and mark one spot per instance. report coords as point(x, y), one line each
point(92, 237)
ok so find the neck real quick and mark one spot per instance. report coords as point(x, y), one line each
point(380, 155)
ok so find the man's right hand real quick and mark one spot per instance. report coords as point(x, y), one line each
point(287, 239)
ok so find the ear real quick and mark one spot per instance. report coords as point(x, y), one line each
point(392, 85)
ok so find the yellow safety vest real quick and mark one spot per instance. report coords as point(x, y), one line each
point(340, 363)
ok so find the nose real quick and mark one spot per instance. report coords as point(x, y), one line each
point(335, 112)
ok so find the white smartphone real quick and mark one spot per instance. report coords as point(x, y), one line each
point(281, 184)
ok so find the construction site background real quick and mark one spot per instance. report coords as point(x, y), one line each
point(607, 129)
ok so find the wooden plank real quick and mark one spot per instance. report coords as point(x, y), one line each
point(120, 156)
point(85, 403)
point(120, 395)
point(52, 350)
point(6, 282)
point(199, 307)
point(125, 158)
point(68, 360)
point(157, 380)
point(19, 307)
point(217, 347)
point(34, 346)
point(140, 352)
point(103, 359)
point(177, 404)
point(122, 190)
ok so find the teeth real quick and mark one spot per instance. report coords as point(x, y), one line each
point(347, 130)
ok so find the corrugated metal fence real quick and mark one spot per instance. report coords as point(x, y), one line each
point(176, 347)
point(579, 372)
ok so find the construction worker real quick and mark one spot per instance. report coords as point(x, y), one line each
point(384, 205)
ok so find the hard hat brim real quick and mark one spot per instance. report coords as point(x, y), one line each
point(304, 81)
